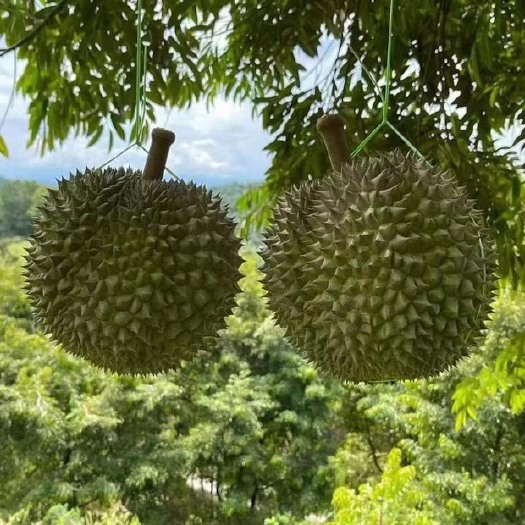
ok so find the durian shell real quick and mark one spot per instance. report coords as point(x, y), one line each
point(381, 271)
point(131, 274)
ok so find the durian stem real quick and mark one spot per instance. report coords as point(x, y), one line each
point(331, 128)
point(161, 140)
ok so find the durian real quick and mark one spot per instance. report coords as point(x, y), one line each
point(131, 273)
point(381, 270)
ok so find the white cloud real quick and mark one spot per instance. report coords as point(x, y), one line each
point(199, 153)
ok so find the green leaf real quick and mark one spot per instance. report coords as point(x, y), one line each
point(493, 96)
point(96, 136)
point(118, 127)
point(3, 147)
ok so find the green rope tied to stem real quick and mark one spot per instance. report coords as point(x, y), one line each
point(386, 98)
point(139, 114)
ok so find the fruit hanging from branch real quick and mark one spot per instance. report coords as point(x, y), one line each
point(129, 271)
point(381, 270)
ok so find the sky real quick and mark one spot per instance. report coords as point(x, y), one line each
point(215, 147)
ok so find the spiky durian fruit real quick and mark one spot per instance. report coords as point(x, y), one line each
point(132, 274)
point(380, 271)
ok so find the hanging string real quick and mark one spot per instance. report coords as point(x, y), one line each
point(386, 97)
point(11, 94)
point(142, 116)
point(141, 69)
point(139, 114)
point(388, 72)
point(368, 73)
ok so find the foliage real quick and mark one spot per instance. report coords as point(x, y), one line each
point(419, 467)
point(396, 499)
point(116, 514)
point(245, 432)
point(498, 367)
point(230, 193)
point(64, 426)
point(453, 90)
point(18, 202)
point(265, 418)
point(13, 301)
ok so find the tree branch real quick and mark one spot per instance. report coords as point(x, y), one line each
point(372, 447)
point(33, 33)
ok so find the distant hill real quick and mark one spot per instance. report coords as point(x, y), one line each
point(18, 204)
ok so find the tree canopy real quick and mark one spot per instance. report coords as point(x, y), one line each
point(251, 433)
point(455, 70)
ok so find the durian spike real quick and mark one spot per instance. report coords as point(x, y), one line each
point(161, 140)
point(331, 128)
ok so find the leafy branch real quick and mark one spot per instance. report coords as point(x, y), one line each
point(32, 34)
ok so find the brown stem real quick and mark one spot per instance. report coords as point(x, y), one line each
point(331, 128)
point(161, 140)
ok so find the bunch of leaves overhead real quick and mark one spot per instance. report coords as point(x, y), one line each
point(454, 86)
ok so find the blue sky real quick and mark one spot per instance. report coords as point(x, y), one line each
point(214, 147)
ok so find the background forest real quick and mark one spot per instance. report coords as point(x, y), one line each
point(249, 432)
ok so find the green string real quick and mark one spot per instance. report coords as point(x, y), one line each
point(140, 102)
point(139, 114)
point(142, 117)
point(388, 71)
point(139, 93)
point(119, 154)
point(386, 97)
